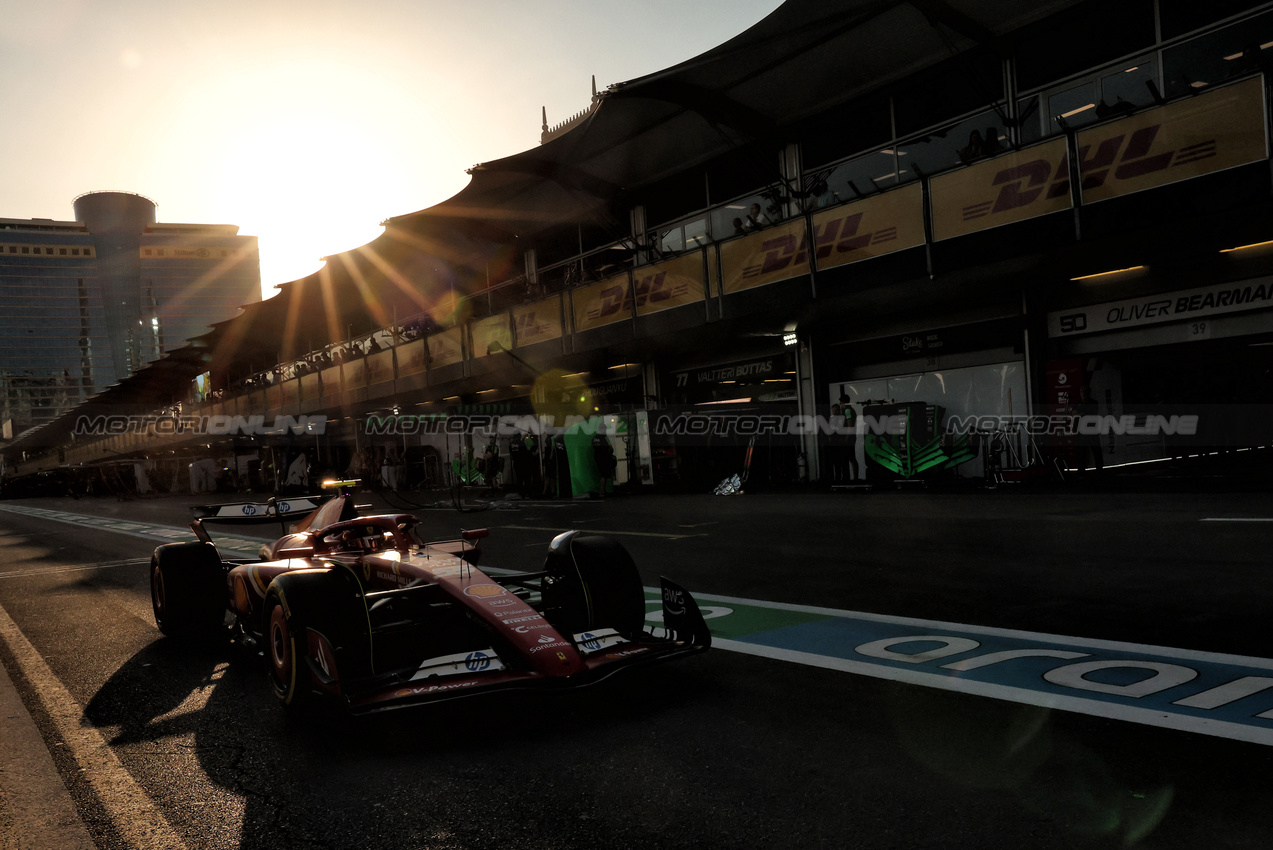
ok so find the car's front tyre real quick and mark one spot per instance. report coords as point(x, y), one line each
point(285, 646)
point(592, 583)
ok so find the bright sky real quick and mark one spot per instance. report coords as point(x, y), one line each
point(308, 122)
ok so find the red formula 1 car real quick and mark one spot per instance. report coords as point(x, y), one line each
point(359, 609)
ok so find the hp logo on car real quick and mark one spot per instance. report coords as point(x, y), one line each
point(589, 641)
point(476, 662)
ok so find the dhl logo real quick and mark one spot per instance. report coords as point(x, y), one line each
point(839, 235)
point(1121, 157)
point(650, 289)
point(443, 349)
point(527, 325)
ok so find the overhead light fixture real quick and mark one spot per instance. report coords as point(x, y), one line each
point(1107, 274)
point(1244, 247)
point(1232, 56)
point(789, 339)
point(1078, 110)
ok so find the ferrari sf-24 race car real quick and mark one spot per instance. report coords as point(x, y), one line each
point(360, 610)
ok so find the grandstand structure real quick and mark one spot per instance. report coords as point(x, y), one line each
point(980, 206)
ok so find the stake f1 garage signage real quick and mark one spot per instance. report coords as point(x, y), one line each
point(1189, 304)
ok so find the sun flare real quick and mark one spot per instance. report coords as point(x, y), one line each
point(309, 159)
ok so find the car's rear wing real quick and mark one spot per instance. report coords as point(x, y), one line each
point(283, 511)
point(256, 513)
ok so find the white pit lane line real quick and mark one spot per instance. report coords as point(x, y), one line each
point(73, 568)
point(145, 531)
point(1236, 519)
point(137, 821)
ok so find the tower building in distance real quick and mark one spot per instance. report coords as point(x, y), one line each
point(85, 303)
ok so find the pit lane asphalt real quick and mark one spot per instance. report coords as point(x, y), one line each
point(1121, 566)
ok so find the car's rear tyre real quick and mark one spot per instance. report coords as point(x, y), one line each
point(188, 593)
point(592, 583)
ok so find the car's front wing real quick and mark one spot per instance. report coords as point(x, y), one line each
point(481, 671)
point(497, 677)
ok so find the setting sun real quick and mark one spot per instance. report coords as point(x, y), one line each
point(313, 161)
point(304, 125)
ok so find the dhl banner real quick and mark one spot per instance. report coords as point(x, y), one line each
point(310, 387)
point(673, 283)
point(774, 254)
point(538, 322)
point(1218, 129)
point(379, 367)
point(446, 348)
point(869, 228)
point(411, 357)
point(602, 303)
point(354, 373)
point(1009, 188)
point(491, 335)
